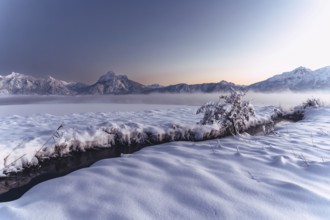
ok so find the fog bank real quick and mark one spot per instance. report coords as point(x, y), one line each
point(60, 105)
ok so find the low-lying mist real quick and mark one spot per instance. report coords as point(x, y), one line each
point(25, 105)
point(286, 99)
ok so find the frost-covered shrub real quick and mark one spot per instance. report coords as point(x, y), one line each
point(230, 112)
point(278, 113)
point(311, 102)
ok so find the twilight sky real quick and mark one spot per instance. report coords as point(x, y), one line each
point(163, 41)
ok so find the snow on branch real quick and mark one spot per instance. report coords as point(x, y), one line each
point(230, 112)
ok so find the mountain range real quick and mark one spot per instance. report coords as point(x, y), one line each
point(299, 79)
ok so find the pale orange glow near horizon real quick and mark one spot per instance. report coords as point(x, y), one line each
point(243, 78)
point(299, 38)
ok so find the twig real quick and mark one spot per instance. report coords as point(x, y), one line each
point(253, 177)
point(55, 134)
point(304, 159)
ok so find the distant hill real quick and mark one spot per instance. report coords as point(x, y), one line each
point(222, 86)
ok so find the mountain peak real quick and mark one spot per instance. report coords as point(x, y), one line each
point(51, 78)
point(110, 75)
point(301, 69)
point(154, 86)
point(224, 82)
point(14, 75)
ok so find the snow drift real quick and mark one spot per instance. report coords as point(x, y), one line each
point(37, 137)
point(278, 176)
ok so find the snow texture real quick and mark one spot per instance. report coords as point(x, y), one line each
point(25, 140)
point(279, 176)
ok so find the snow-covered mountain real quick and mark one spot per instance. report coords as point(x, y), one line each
point(299, 79)
point(154, 86)
point(222, 86)
point(111, 83)
point(16, 83)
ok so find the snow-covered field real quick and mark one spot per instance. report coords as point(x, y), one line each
point(28, 137)
point(279, 176)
